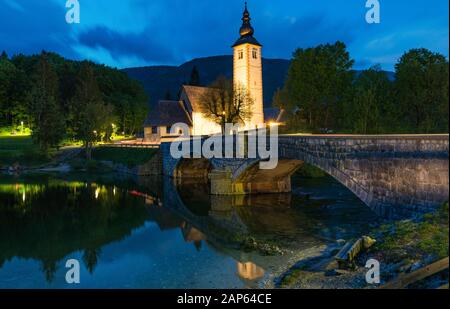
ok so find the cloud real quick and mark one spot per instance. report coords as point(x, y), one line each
point(142, 32)
point(14, 5)
point(31, 26)
point(284, 35)
point(139, 45)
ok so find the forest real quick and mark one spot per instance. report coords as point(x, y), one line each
point(60, 99)
point(323, 94)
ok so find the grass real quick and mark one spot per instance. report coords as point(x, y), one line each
point(412, 240)
point(14, 131)
point(293, 276)
point(127, 156)
point(20, 149)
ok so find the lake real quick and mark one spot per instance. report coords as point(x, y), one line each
point(129, 232)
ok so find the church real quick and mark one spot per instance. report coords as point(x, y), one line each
point(247, 72)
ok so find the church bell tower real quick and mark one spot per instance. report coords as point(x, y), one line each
point(247, 68)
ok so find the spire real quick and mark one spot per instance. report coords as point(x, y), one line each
point(246, 31)
point(246, 28)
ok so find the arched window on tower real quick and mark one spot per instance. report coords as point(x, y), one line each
point(240, 54)
point(255, 53)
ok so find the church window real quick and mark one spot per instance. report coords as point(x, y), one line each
point(255, 53)
point(154, 130)
point(240, 54)
point(168, 128)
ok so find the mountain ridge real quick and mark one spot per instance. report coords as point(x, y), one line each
point(162, 79)
point(158, 80)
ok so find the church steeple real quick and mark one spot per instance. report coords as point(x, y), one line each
point(246, 28)
point(246, 31)
point(247, 69)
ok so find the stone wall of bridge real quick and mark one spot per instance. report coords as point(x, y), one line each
point(393, 175)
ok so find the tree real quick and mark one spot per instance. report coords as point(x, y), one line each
point(223, 103)
point(48, 124)
point(167, 96)
point(368, 110)
point(317, 80)
point(422, 91)
point(7, 72)
point(195, 77)
point(280, 99)
point(90, 115)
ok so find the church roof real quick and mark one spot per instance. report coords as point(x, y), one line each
point(246, 40)
point(193, 94)
point(167, 113)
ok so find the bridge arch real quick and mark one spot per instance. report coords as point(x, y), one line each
point(395, 175)
point(198, 168)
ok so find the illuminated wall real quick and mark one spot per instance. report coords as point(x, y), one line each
point(204, 126)
point(247, 72)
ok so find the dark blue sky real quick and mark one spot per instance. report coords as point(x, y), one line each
point(150, 32)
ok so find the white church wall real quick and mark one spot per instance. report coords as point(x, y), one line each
point(204, 126)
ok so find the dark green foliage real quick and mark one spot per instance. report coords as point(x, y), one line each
point(90, 115)
point(195, 77)
point(167, 96)
point(413, 240)
point(20, 149)
point(310, 171)
point(48, 123)
point(26, 96)
point(321, 94)
point(316, 83)
point(368, 103)
point(422, 91)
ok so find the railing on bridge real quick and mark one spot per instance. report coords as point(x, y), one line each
point(132, 145)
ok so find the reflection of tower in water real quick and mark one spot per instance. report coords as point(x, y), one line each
point(191, 234)
point(249, 271)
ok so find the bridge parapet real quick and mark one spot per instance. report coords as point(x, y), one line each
point(395, 175)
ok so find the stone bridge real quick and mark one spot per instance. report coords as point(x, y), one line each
point(392, 174)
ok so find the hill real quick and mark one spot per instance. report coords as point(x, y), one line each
point(160, 80)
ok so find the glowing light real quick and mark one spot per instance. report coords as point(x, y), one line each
point(97, 192)
point(23, 196)
point(114, 191)
point(274, 124)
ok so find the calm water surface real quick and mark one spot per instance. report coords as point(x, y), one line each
point(149, 233)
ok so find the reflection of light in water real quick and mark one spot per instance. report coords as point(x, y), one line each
point(114, 191)
point(249, 271)
point(97, 192)
point(23, 196)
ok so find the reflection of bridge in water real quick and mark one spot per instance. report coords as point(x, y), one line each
point(223, 223)
point(395, 175)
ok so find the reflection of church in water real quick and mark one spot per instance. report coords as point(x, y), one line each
point(247, 271)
